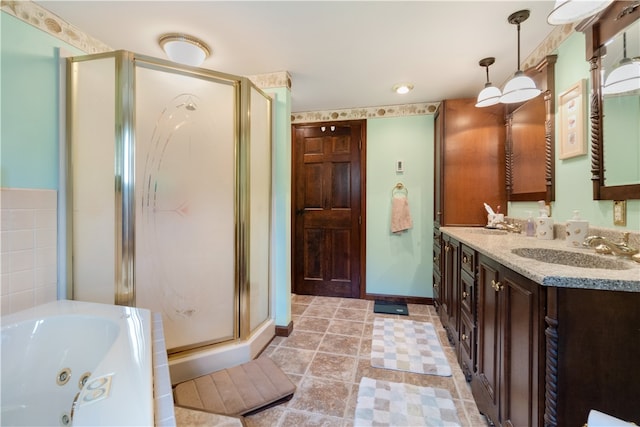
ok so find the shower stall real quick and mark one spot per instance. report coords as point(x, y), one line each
point(169, 196)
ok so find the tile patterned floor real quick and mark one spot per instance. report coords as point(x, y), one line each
point(329, 351)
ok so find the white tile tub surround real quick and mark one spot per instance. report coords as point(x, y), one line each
point(28, 248)
point(162, 391)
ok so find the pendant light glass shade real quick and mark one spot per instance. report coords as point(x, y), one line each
point(519, 89)
point(567, 11)
point(490, 95)
point(624, 78)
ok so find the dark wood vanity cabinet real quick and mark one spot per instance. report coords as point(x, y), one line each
point(508, 385)
point(593, 355)
point(537, 355)
point(469, 168)
point(456, 299)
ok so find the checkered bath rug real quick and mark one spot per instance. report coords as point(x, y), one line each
point(384, 403)
point(407, 345)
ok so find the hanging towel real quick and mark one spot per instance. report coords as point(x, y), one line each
point(400, 214)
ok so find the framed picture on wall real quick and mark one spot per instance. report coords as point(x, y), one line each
point(571, 105)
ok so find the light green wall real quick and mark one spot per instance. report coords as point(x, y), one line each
point(573, 176)
point(399, 264)
point(30, 72)
point(281, 222)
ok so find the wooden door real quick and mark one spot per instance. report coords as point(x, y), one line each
point(327, 208)
point(486, 386)
point(520, 390)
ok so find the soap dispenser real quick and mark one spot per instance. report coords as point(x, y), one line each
point(531, 226)
point(544, 224)
point(577, 229)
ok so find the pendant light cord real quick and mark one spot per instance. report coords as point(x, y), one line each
point(518, 46)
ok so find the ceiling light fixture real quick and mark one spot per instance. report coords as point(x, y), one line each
point(626, 76)
point(490, 95)
point(184, 49)
point(402, 88)
point(568, 11)
point(521, 87)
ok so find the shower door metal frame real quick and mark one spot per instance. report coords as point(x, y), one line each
point(124, 181)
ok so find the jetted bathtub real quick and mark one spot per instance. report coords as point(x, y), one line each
point(77, 363)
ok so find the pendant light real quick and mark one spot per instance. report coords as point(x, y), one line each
point(568, 11)
point(490, 95)
point(520, 88)
point(626, 76)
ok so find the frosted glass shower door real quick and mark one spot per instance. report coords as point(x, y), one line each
point(185, 204)
point(259, 207)
point(93, 229)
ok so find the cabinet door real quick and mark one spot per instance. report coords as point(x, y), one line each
point(521, 327)
point(487, 383)
point(437, 165)
point(472, 156)
point(451, 288)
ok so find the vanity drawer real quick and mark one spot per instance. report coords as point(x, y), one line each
point(468, 260)
point(467, 295)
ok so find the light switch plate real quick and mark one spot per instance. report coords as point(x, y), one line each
point(620, 212)
point(399, 166)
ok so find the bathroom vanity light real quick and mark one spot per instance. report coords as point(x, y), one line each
point(521, 87)
point(490, 95)
point(402, 88)
point(567, 11)
point(184, 49)
point(626, 76)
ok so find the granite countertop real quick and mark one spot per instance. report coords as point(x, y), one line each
point(498, 245)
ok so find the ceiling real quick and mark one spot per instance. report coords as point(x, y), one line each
point(339, 54)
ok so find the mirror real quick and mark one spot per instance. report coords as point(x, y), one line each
point(530, 139)
point(615, 128)
point(621, 113)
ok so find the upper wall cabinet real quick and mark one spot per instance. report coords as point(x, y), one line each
point(530, 139)
point(469, 162)
point(611, 37)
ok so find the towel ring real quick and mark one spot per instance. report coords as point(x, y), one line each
point(399, 188)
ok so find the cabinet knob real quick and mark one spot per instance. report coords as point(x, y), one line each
point(464, 294)
point(465, 337)
point(465, 259)
point(496, 285)
point(435, 285)
point(447, 248)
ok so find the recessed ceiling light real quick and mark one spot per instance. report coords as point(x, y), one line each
point(402, 88)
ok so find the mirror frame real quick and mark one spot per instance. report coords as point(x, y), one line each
point(598, 30)
point(544, 76)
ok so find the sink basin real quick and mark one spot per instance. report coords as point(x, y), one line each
point(571, 259)
point(488, 231)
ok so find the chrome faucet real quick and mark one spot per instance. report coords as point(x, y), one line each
point(511, 227)
point(603, 245)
